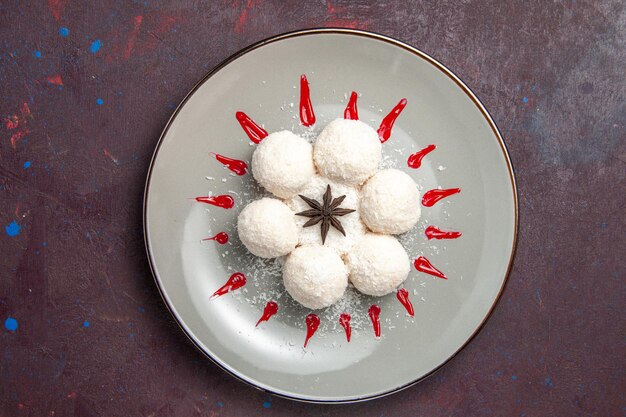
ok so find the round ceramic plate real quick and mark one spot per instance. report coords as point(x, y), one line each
point(263, 81)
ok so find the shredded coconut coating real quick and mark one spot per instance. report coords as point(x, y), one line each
point(378, 264)
point(390, 202)
point(283, 163)
point(351, 222)
point(315, 276)
point(347, 151)
point(267, 228)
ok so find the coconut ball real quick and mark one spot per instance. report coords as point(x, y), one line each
point(347, 151)
point(378, 264)
point(267, 228)
point(315, 276)
point(351, 222)
point(283, 163)
point(390, 202)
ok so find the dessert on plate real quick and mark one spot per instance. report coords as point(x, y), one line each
point(334, 215)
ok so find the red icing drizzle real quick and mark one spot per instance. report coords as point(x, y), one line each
point(433, 232)
point(374, 313)
point(423, 265)
point(384, 131)
point(312, 323)
point(307, 116)
point(236, 280)
point(221, 238)
point(270, 309)
point(224, 201)
point(235, 165)
point(431, 197)
point(351, 112)
point(415, 160)
point(403, 297)
point(255, 132)
point(344, 320)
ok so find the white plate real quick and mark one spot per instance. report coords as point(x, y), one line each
point(263, 81)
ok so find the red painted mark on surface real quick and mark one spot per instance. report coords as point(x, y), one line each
point(221, 238)
point(17, 123)
point(224, 201)
point(351, 112)
point(56, 7)
point(312, 323)
point(403, 297)
point(374, 313)
point(139, 35)
point(236, 281)
point(307, 116)
point(270, 309)
point(12, 122)
point(433, 232)
point(71, 395)
point(415, 160)
point(55, 79)
point(18, 136)
point(384, 131)
point(433, 196)
point(255, 132)
point(334, 18)
point(344, 320)
point(423, 265)
point(108, 154)
point(132, 37)
point(243, 18)
point(163, 25)
point(235, 165)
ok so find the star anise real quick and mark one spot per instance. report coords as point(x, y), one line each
point(325, 212)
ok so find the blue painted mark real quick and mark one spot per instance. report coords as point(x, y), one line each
point(549, 383)
point(514, 377)
point(37, 54)
point(13, 229)
point(499, 373)
point(99, 101)
point(603, 225)
point(27, 164)
point(525, 100)
point(86, 324)
point(64, 32)
point(141, 310)
point(267, 404)
point(36, 252)
point(44, 244)
point(11, 324)
point(220, 404)
point(95, 46)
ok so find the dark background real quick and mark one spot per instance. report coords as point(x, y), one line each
point(87, 87)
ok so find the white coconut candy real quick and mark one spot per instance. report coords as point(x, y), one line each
point(351, 222)
point(347, 151)
point(267, 228)
point(283, 163)
point(390, 202)
point(378, 264)
point(315, 276)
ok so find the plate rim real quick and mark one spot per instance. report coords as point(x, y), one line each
point(351, 32)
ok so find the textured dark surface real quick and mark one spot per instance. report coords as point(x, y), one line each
point(80, 119)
